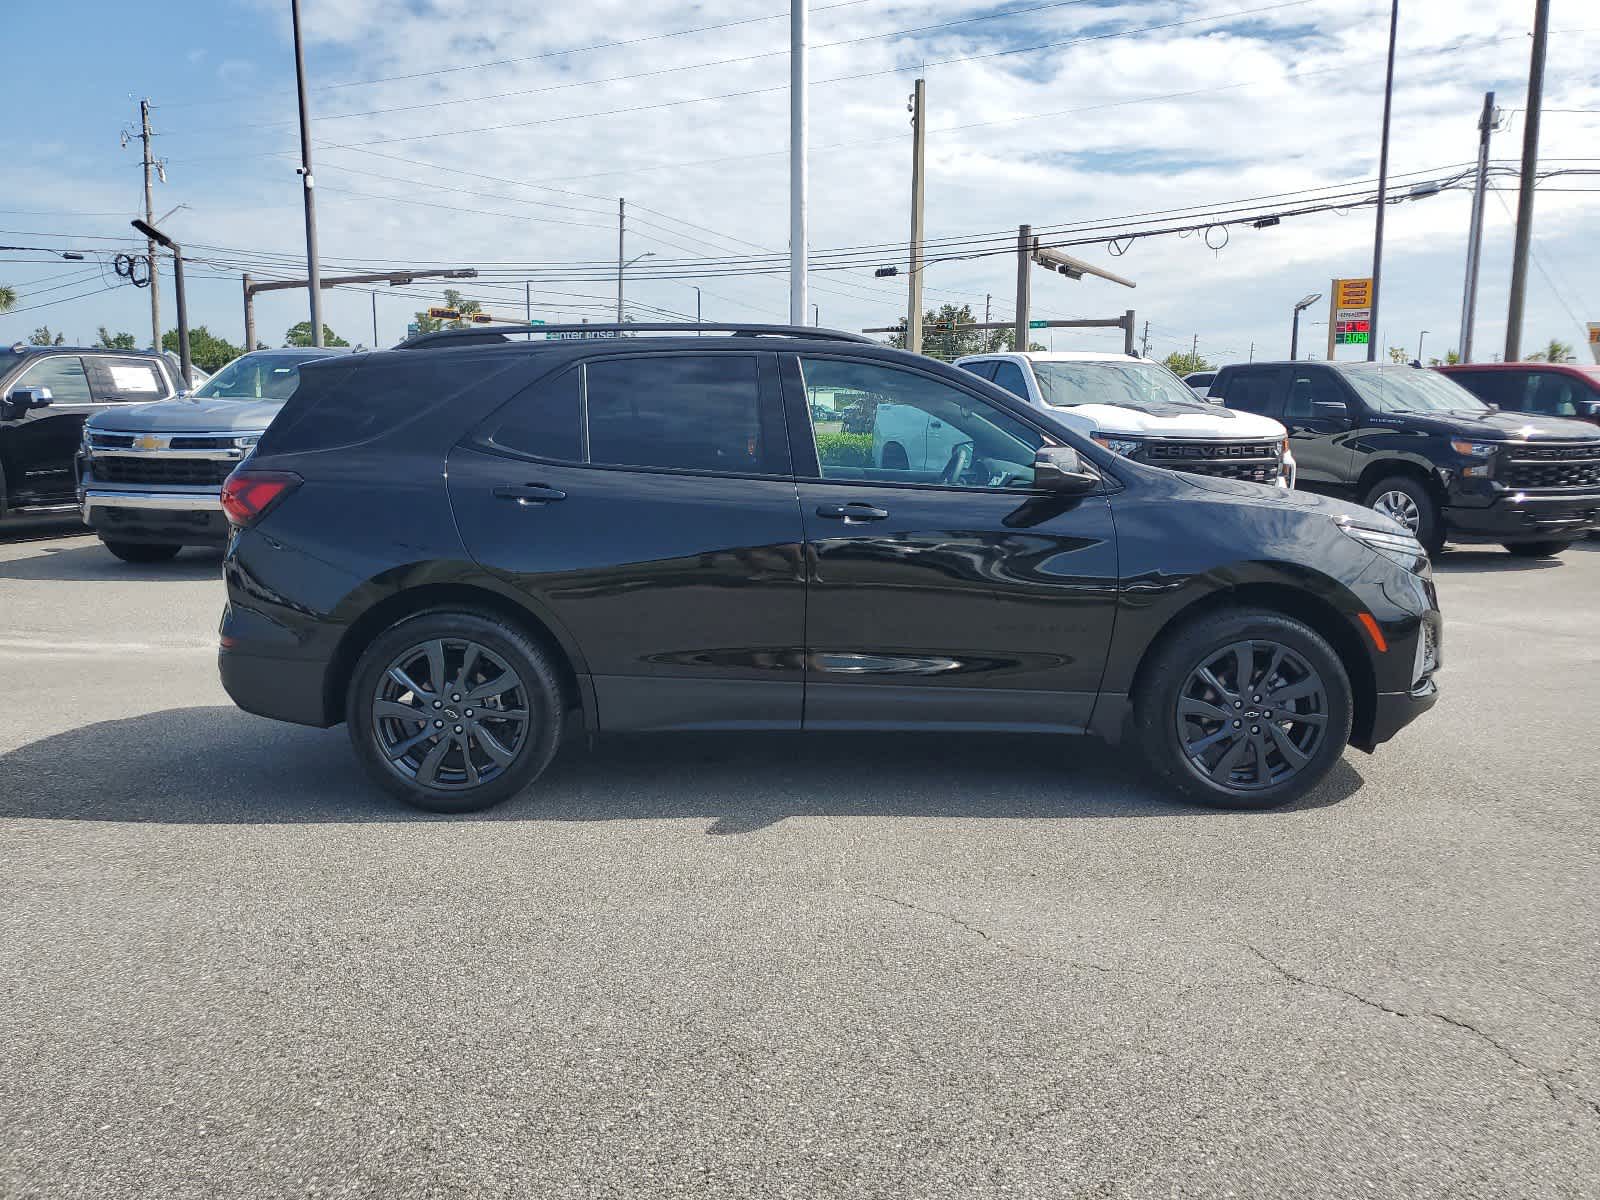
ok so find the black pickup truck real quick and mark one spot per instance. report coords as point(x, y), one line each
point(1425, 451)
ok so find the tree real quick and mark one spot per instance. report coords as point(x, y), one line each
point(300, 335)
point(941, 341)
point(452, 299)
point(1182, 362)
point(1555, 351)
point(8, 298)
point(1450, 359)
point(43, 337)
point(1398, 354)
point(208, 352)
point(116, 341)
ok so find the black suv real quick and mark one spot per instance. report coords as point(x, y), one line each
point(46, 394)
point(1423, 450)
point(468, 546)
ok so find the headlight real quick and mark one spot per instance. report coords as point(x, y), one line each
point(1127, 447)
point(247, 441)
point(83, 439)
point(1473, 449)
point(1399, 548)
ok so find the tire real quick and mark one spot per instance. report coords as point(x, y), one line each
point(894, 458)
point(1537, 549)
point(143, 552)
point(1172, 679)
point(506, 755)
point(1420, 509)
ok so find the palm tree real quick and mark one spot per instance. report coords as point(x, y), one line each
point(1556, 352)
point(8, 298)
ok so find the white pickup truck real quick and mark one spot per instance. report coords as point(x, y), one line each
point(1132, 406)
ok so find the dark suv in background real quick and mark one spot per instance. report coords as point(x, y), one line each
point(1417, 447)
point(467, 546)
point(46, 394)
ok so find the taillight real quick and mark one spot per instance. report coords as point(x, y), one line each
point(247, 495)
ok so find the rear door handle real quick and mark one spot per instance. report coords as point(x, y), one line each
point(852, 512)
point(529, 493)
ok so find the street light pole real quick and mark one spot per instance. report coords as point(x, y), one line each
point(161, 239)
point(1294, 334)
point(309, 183)
point(1420, 336)
point(1383, 184)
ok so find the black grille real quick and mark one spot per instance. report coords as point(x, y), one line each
point(162, 469)
point(1575, 466)
point(1250, 461)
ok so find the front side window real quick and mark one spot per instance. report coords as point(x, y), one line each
point(1554, 395)
point(693, 412)
point(908, 428)
point(63, 374)
point(1310, 388)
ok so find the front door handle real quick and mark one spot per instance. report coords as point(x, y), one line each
point(529, 493)
point(852, 512)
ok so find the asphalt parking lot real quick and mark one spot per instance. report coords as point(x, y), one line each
point(838, 966)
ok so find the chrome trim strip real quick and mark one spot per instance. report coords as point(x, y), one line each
point(192, 501)
point(129, 452)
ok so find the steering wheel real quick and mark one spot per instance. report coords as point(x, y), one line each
point(955, 470)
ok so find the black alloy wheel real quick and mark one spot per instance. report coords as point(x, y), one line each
point(1243, 708)
point(1251, 716)
point(454, 712)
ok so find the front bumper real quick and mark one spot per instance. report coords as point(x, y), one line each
point(1393, 711)
point(133, 515)
point(1524, 517)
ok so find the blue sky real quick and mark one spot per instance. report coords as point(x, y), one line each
point(1285, 99)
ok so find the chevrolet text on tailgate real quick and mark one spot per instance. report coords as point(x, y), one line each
point(468, 547)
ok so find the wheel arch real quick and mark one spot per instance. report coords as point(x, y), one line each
point(1410, 468)
point(571, 670)
point(1302, 604)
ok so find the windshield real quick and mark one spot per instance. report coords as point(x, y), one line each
point(1410, 390)
point(260, 376)
point(1144, 386)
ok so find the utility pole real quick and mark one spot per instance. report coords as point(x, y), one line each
point(312, 271)
point(1024, 252)
point(527, 305)
point(1530, 164)
point(1383, 185)
point(185, 365)
point(1194, 347)
point(374, 320)
point(150, 218)
point(1252, 357)
point(622, 219)
point(250, 313)
point(914, 291)
point(797, 161)
point(986, 298)
point(1144, 344)
point(1469, 301)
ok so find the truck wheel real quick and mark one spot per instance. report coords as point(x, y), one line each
point(1408, 501)
point(143, 552)
point(1244, 708)
point(894, 458)
point(1536, 549)
point(454, 711)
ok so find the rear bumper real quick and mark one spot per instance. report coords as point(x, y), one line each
point(132, 515)
point(268, 671)
point(1524, 517)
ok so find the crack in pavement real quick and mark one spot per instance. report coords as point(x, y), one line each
point(971, 928)
point(1510, 1055)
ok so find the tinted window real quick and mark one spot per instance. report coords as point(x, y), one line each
point(1009, 376)
point(543, 420)
point(126, 379)
point(1310, 388)
point(1507, 389)
point(983, 370)
point(913, 429)
point(697, 412)
point(1554, 394)
point(260, 375)
point(63, 374)
point(1255, 391)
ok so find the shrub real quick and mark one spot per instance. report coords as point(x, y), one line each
point(845, 449)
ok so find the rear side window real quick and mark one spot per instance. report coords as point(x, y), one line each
point(1255, 391)
point(544, 420)
point(1009, 376)
point(124, 379)
point(693, 412)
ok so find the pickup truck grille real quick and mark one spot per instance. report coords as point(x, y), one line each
point(1547, 465)
point(161, 468)
point(1254, 462)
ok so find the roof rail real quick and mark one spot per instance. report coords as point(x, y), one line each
point(482, 334)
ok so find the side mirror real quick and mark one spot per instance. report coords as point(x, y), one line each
point(22, 399)
point(1060, 469)
point(1589, 409)
point(1331, 410)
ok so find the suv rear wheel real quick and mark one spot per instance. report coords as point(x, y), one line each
point(143, 552)
point(1244, 709)
point(1409, 502)
point(454, 711)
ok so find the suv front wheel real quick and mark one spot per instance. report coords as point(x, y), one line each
point(454, 711)
point(1244, 709)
